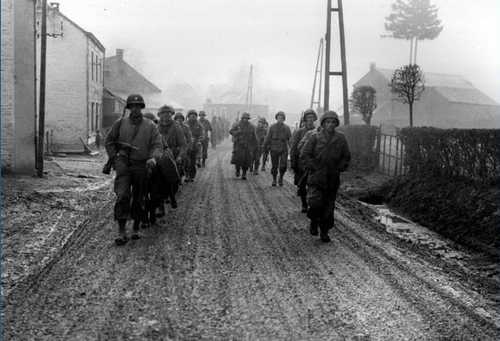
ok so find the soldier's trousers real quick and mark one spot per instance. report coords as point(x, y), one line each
point(321, 206)
point(130, 189)
point(265, 156)
point(204, 146)
point(192, 159)
point(256, 158)
point(279, 162)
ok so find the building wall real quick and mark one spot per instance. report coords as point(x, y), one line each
point(66, 85)
point(18, 85)
point(7, 70)
point(72, 96)
point(95, 63)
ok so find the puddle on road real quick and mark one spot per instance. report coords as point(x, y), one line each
point(470, 262)
point(415, 233)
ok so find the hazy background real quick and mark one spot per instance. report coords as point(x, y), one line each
point(194, 49)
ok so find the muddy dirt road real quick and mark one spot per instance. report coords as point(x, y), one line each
point(236, 261)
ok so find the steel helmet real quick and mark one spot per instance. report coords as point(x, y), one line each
point(330, 114)
point(192, 112)
point(150, 116)
point(135, 99)
point(310, 112)
point(202, 114)
point(178, 115)
point(280, 113)
point(245, 115)
point(166, 109)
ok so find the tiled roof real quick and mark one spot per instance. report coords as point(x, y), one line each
point(454, 88)
point(121, 78)
point(462, 95)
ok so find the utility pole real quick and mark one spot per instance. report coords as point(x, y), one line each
point(318, 73)
point(249, 99)
point(343, 72)
point(41, 114)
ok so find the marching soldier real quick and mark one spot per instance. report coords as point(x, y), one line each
point(133, 143)
point(207, 127)
point(174, 151)
point(277, 143)
point(324, 155)
point(214, 136)
point(179, 118)
point(194, 151)
point(265, 153)
point(300, 175)
point(244, 145)
point(260, 133)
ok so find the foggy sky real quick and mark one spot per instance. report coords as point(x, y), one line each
point(213, 41)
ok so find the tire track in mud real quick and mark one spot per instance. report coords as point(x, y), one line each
point(442, 318)
point(236, 261)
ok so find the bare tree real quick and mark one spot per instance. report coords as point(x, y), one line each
point(413, 20)
point(364, 101)
point(408, 84)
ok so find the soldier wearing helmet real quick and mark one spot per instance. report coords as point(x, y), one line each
point(300, 176)
point(276, 142)
point(244, 145)
point(179, 118)
point(325, 155)
point(207, 127)
point(260, 133)
point(194, 151)
point(133, 143)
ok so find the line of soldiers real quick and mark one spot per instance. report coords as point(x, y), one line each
point(317, 155)
point(150, 156)
point(250, 144)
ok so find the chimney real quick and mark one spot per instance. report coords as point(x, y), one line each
point(373, 66)
point(119, 53)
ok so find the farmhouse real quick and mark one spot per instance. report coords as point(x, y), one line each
point(448, 101)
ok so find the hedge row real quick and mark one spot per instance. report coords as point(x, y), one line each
point(361, 140)
point(468, 153)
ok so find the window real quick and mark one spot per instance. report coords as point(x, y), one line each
point(97, 112)
point(92, 67)
point(97, 68)
point(92, 117)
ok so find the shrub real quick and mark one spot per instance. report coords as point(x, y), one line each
point(463, 153)
point(361, 140)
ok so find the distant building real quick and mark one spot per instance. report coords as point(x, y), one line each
point(113, 107)
point(449, 101)
point(123, 80)
point(18, 101)
point(74, 85)
point(232, 111)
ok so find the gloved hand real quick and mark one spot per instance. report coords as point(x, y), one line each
point(150, 163)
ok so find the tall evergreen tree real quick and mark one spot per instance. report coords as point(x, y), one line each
point(413, 20)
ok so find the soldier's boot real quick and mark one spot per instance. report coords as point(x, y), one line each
point(280, 180)
point(122, 233)
point(274, 180)
point(313, 228)
point(304, 204)
point(135, 229)
point(173, 201)
point(324, 234)
point(237, 172)
point(161, 211)
point(256, 171)
point(203, 163)
point(244, 174)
